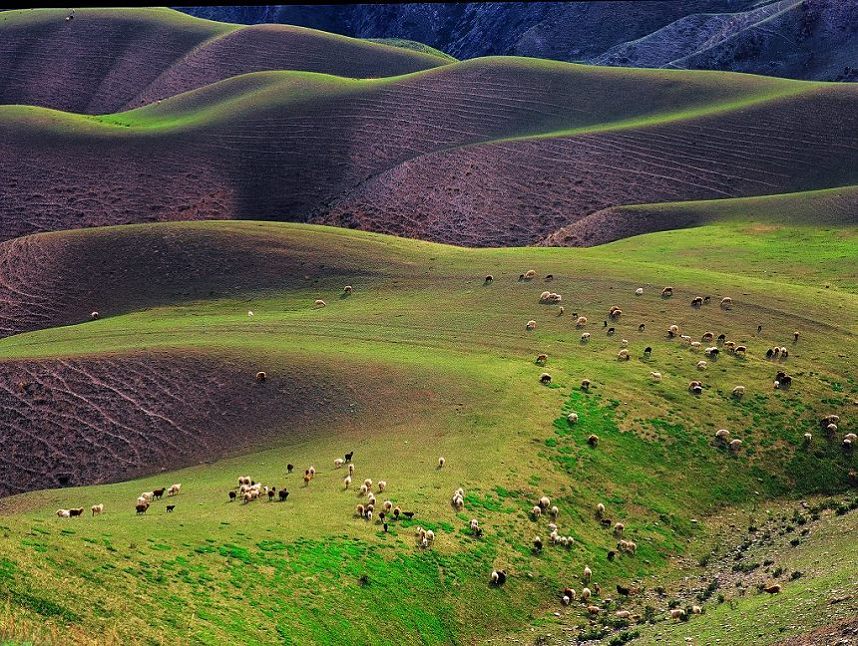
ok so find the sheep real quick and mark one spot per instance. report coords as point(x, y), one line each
point(581, 321)
point(560, 310)
point(307, 478)
point(289, 468)
point(848, 444)
point(611, 331)
point(851, 437)
point(387, 506)
point(475, 525)
point(489, 278)
point(808, 438)
point(627, 546)
point(370, 498)
point(396, 512)
point(545, 378)
point(672, 331)
point(795, 337)
point(347, 290)
point(458, 502)
point(773, 588)
point(271, 493)
point(360, 510)
point(708, 336)
point(624, 343)
point(588, 574)
point(142, 500)
point(232, 496)
point(531, 325)
point(441, 462)
point(677, 613)
point(368, 483)
point(319, 303)
point(261, 375)
point(363, 490)
point(550, 298)
point(615, 313)
point(174, 489)
point(95, 316)
point(282, 495)
point(712, 351)
point(585, 594)
point(656, 376)
point(600, 510)
point(585, 337)
point(572, 418)
point(351, 469)
point(430, 536)
point(536, 512)
point(97, 509)
point(623, 355)
point(565, 600)
point(619, 528)
point(685, 337)
point(726, 303)
point(722, 435)
point(530, 274)
point(250, 313)
point(647, 352)
point(695, 387)
point(697, 301)
point(541, 359)
point(622, 614)
point(554, 511)
point(593, 440)
point(158, 493)
point(594, 610)
point(142, 507)
point(498, 577)
point(667, 292)
point(63, 513)
point(338, 463)
point(735, 445)
point(347, 482)
point(738, 392)
point(585, 385)
point(382, 485)
point(148, 496)
point(702, 365)
point(170, 508)
point(641, 327)
point(696, 610)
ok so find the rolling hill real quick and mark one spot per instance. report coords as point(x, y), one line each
point(488, 152)
point(109, 60)
point(422, 359)
point(802, 39)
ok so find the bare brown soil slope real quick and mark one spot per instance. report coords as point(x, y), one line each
point(74, 421)
point(49, 280)
point(107, 60)
point(484, 153)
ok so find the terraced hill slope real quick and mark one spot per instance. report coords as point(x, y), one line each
point(488, 152)
point(424, 358)
point(108, 60)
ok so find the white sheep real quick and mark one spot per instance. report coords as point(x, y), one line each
point(702, 365)
point(387, 505)
point(656, 376)
point(382, 485)
point(174, 489)
point(536, 512)
point(148, 496)
point(588, 573)
point(619, 528)
point(338, 463)
point(65, 513)
point(530, 274)
point(581, 321)
point(368, 483)
point(554, 511)
point(639, 291)
point(677, 613)
point(585, 337)
point(531, 325)
point(600, 510)
point(363, 490)
point(97, 509)
point(572, 418)
point(624, 343)
point(623, 355)
point(544, 502)
point(738, 392)
point(585, 594)
point(351, 469)
point(319, 303)
point(441, 462)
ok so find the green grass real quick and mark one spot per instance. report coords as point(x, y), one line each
point(467, 388)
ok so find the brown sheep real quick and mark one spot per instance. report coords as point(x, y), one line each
point(667, 292)
point(541, 359)
point(585, 385)
point(545, 378)
point(261, 376)
point(593, 440)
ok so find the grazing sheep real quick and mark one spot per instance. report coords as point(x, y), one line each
point(624, 343)
point(549, 276)
point(730, 345)
point(170, 508)
point(560, 310)
point(531, 325)
point(672, 331)
point(565, 600)
point(347, 482)
point(351, 468)
point(622, 614)
point(382, 485)
point(593, 440)
point(641, 327)
point(368, 483)
point(148, 496)
point(708, 336)
point(142, 507)
point(544, 502)
point(588, 574)
point(639, 291)
point(696, 610)
point(600, 510)
point(677, 613)
point(627, 546)
point(667, 292)
point(623, 355)
point(441, 462)
point(619, 528)
point(795, 337)
point(572, 418)
point(738, 392)
point(545, 378)
point(550, 298)
point(594, 610)
point(360, 510)
point(307, 478)
point(585, 337)
point(647, 352)
point(158, 493)
point(261, 375)
point(611, 331)
point(498, 577)
point(271, 493)
point(97, 509)
point(581, 321)
point(554, 511)
point(537, 544)
point(63, 513)
point(541, 359)
point(726, 303)
point(387, 506)
point(489, 278)
point(585, 385)
point(697, 301)
point(338, 463)
point(773, 588)
point(319, 303)
point(363, 490)
point(530, 274)
point(282, 495)
point(702, 365)
point(396, 512)
point(722, 435)
point(685, 337)
point(712, 351)
point(615, 313)
point(585, 594)
point(95, 316)
point(232, 496)
point(536, 512)
point(289, 468)
point(656, 376)
point(735, 445)
point(430, 535)
point(808, 438)
point(174, 489)
point(695, 387)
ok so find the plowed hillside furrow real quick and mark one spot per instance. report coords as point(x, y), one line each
point(107, 60)
point(79, 421)
point(60, 279)
point(487, 152)
point(506, 193)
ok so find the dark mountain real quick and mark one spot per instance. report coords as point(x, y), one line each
point(805, 39)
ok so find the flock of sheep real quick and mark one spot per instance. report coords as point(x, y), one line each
point(143, 502)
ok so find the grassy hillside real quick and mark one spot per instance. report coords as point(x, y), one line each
point(107, 60)
point(423, 359)
point(489, 152)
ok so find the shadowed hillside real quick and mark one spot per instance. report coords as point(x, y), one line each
point(108, 60)
point(804, 39)
point(487, 152)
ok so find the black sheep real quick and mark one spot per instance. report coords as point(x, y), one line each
point(232, 496)
point(170, 508)
point(283, 495)
point(348, 456)
point(289, 468)
point(408, 514)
